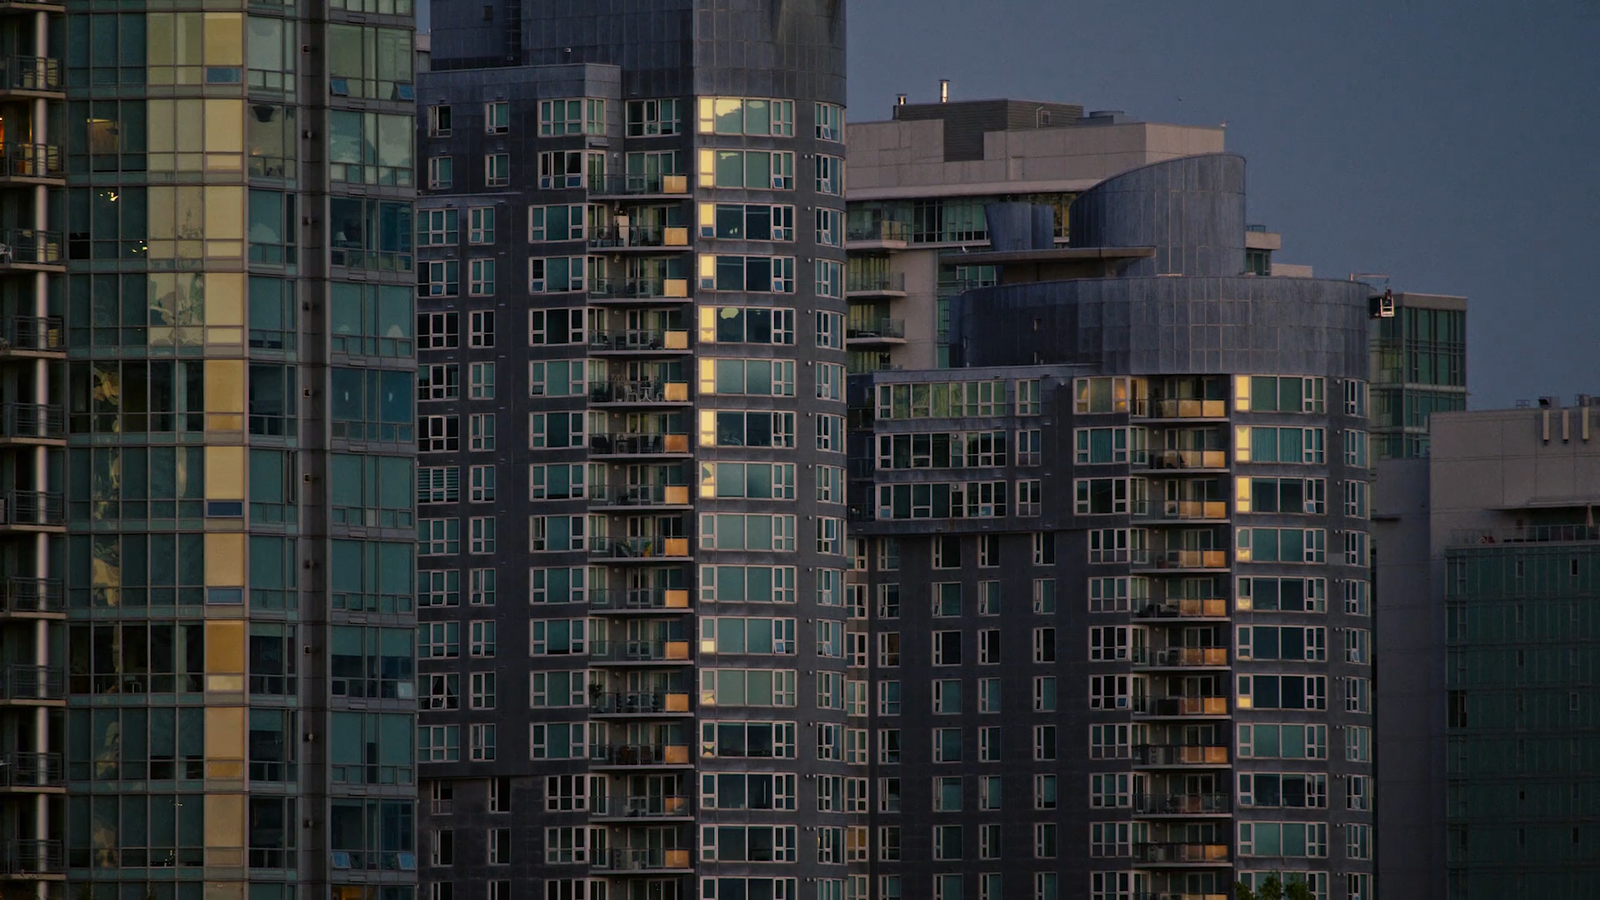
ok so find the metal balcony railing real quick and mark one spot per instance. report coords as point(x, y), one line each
point(31, 857)
point(19, 594)
point(1181, 804)
point(874, 282)
point(1180, 707)
point(1180, 559)
point(638, 651)
point(878, 230)
point(630, 444)
point(882, 329)
point(639, 599)
point(638, 390)
point(638, 340)
point(624, 185)
point(1182, 608)
point(20, 681)
point(651, 806)
point(1180, 408)
point(640, 859)
point(30, 73)
point(1180, 657)
point(1187, 459)
point(32, 420)
point(32, 508)
point(619, 237)
point(30, 247)
point(25, 770)
point(33, 334)
point(31, 161)
point(638, 547)
point(1203, 853)
point(641, 754)
point(639, 703)
point(638, 495)
point(639, 288)
point(1174, 510)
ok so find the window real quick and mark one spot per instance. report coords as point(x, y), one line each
point(1288, 790)
point(437, 227)
point(481, 431)
point(439, 121)
point(1275, 393)
point(1356, 394)
point(438, 484)
point(1044, 645)
point(1111, 790)
point(1285, 545)
point(480, 225)
point(1044, 840)
point(496, 169)
point(480, 331)
point(1283, 691)
point(1275, 741)
point(482, 633)
point(1044, 743)
point(1307, 839)
point(1029, 497)
point(481, 587)
point(1288, 496)
point(1108, 643)
point(438, 278)
point(829, 122)
point(946, 648)
point(438, 331)
point(483, 690)
point(482, 738)
point(1044, 694)
point(947, 846)
point(739, 115)
point(830, 331)
point(556, 274)
point(746, 325)
point(1282, 594)
point(439, 743)
point(1357, 449)
point(946, 696)
point(653, 118)
point(573, 116)
point(1296, 643)
point(1101, 496)
point(1267, 444)
point(438, 537)
point(480, 277)
point(1044, 596)
point(441, 172)
point(1109, 691)
point(439, 587)
point(496, 117)
point(830, 175)
point(482, 534)
point(1028, 397)
point(830, 227)
point(439, 433)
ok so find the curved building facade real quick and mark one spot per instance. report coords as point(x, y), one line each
point(1150, 495)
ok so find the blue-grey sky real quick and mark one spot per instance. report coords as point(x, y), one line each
point(1452, 145)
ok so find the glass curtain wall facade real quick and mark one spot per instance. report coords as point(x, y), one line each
point(631, 289)
point(1419, 367)
point(235, 515)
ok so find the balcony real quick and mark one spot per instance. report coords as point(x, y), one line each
point(24, 858)
point(630, 444)
point(30, 76)
point(644, 652)
point(639, 237)
point(651, 806)
point(638, 341)
point(639, 703)
point(31, 164)
point(32, 511)
point(634, 755)
point(638, 392)
point(883, 331)
point(1181, 854)
point(31, 771)
point(1187, 460)
point(1180, 658)
point(31, 337)
point(31, 250)
point(642, 859)
point(1183, 608)
point(1181, 804)
point(1180, 707)
point(32, 6)
point(32, 423)
point(878, 234)
point(865, 285)
point(635, 600)
point(639, 549)
point(20, 683)
point(20, 596)
point(632, 290)
point(633, 496)
point(1151, 408)
point(1176, 755)
point(1181, 510)
point(1181, 560)
point(638, 186)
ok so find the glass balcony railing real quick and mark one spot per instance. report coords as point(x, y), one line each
point(1180, 707)
point(1180, 408)
point(649, 806)
point(639, 547)
point(1182, 608)
point(1187, 459)
point(638, 340)
point(649, 236)
point(640, 755)
point(639, 703)
point(1180, 657)
point(638, 288)
point(638, 495)
point(1197, 853)
point(878, 230)
point(626, 185)
point(638, 651)
point(631, 444)
point(1181, 804)
point(639, 599)
point(640, 859)
point(1180, 509)
point(638, 391)
point(1180, 559)
point(875, 283)
point(880, 330)
point(1179, 755)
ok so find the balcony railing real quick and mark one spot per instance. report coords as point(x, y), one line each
point(25, 421)
point(1180, 657)
point(31, 161)
point(618, 237)
point(1181, 804)
point(1188, 459)
point(1155, 408)
point(641, 755)
point(31, 857)
point(1182, 608)
point(25, 682)
point(30, 73)
point(643, 807)
point(638, 390)
point(639, 547)
point(629, 651)
point(25, 770)
point(1173, 707)
point(30, 247)
point(1179, 755)
point(638, 288)
point(623, 185)
point(31, 595)
point(1208, 854)
point(643, 859)
point(639, 599)
point(630, 444)
point(875, 283)
point(878, 230)
point(1527, 534)
point(882, 329)
point(1174, 510)
point(639, 703)
point(45, 509)
point(637, 340)
point(1181, 559)
point(31, 334)
point(639, 495)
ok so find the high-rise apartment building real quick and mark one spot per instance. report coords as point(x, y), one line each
point(1488, 781)
point(1114, 572)
point(636, 680)
point(1419, 367)
point(207, 626)
point(919, 183)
